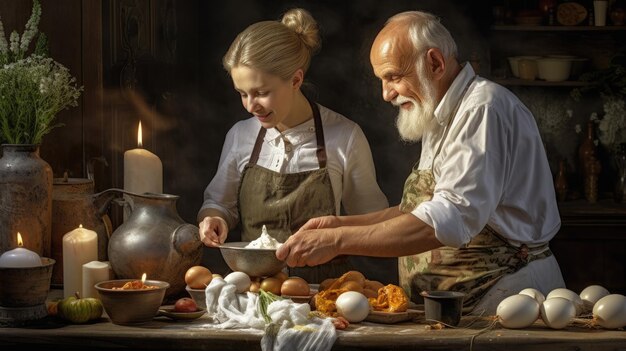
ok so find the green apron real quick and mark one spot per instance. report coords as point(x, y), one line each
point(284, 202)
point(472, 269)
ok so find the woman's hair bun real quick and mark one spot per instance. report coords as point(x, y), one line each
point(303, 23)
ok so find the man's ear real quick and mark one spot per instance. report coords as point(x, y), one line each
point(436, 63)
point(297, 79)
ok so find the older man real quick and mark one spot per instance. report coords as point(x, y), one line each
point(479, 208)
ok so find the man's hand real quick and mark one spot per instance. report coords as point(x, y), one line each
point(213, 231)
point(321, 222)
point(309, 247)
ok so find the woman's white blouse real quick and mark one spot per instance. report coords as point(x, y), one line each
point(350, 164)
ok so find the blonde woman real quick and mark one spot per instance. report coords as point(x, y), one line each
point(293, 159)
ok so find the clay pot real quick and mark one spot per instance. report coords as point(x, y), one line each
point(25, 199)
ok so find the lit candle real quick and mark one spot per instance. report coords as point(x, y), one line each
point(95, 272)
point(143, 170)
point(20, 257)
point(80, 246)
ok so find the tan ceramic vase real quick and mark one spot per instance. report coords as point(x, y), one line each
point(73, 204)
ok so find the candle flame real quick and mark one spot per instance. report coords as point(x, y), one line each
point(143, 278)
point(139, 136)
point(80, 226)
point(20, 242)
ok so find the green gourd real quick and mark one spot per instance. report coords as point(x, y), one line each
point(80, 310)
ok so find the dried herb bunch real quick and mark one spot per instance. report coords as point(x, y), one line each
point(34, 88)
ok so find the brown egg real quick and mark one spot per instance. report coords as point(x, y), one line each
point(295, 286)
point(198, 277)
point(271, 284)
point(282, 276)
point(255, 286)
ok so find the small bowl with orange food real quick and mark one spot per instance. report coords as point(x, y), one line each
point(131, 301)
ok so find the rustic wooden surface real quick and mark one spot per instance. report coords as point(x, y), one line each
point(163, 333)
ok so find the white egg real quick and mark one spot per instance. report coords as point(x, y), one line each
point(591, 294)
point(610, 311)
point(535, 294)
point(353, 306)
point(557, 312)
point(517, 311)
point(570, 295)
point(240, 280)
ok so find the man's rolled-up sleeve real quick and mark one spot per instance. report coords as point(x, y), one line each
point(446, 220)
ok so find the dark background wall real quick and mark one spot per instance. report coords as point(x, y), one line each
point(159, 61)
point(340, 78)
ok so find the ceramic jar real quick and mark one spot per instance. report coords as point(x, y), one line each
point(25, 199)
point(74, 203)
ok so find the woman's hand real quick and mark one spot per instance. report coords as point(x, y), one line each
point(213, 231)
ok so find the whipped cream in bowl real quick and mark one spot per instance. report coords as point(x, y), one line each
point(265, 241)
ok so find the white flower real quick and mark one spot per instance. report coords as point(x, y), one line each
point(4, 46)
point(30, 30)
point(15, 42)
point(578, 128)
point(612, 125)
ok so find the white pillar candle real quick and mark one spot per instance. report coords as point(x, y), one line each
point(95, 272)
point(143, 170)
point(20, 257)
point(80, 246)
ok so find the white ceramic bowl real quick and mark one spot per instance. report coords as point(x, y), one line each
point(554, 69)
point(514, 63)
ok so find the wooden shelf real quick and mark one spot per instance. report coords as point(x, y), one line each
point(559, 28)
point(539, 83)
point(605, 211)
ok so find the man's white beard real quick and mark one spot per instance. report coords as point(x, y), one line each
point(414, 122)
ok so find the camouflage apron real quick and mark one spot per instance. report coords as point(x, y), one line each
point(472, 269)
point(284, 202)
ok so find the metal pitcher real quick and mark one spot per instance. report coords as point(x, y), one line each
point(155, 240)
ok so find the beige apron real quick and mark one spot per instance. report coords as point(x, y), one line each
point(284, 202)
point(472, 269)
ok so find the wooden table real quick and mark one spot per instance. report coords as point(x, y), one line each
point(165, 334)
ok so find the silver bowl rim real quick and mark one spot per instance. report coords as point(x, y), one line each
point(241, 245)
point(161, 285)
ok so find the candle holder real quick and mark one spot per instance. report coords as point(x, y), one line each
point(23, 293)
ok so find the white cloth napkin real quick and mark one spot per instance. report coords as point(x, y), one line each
point(292, 327)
